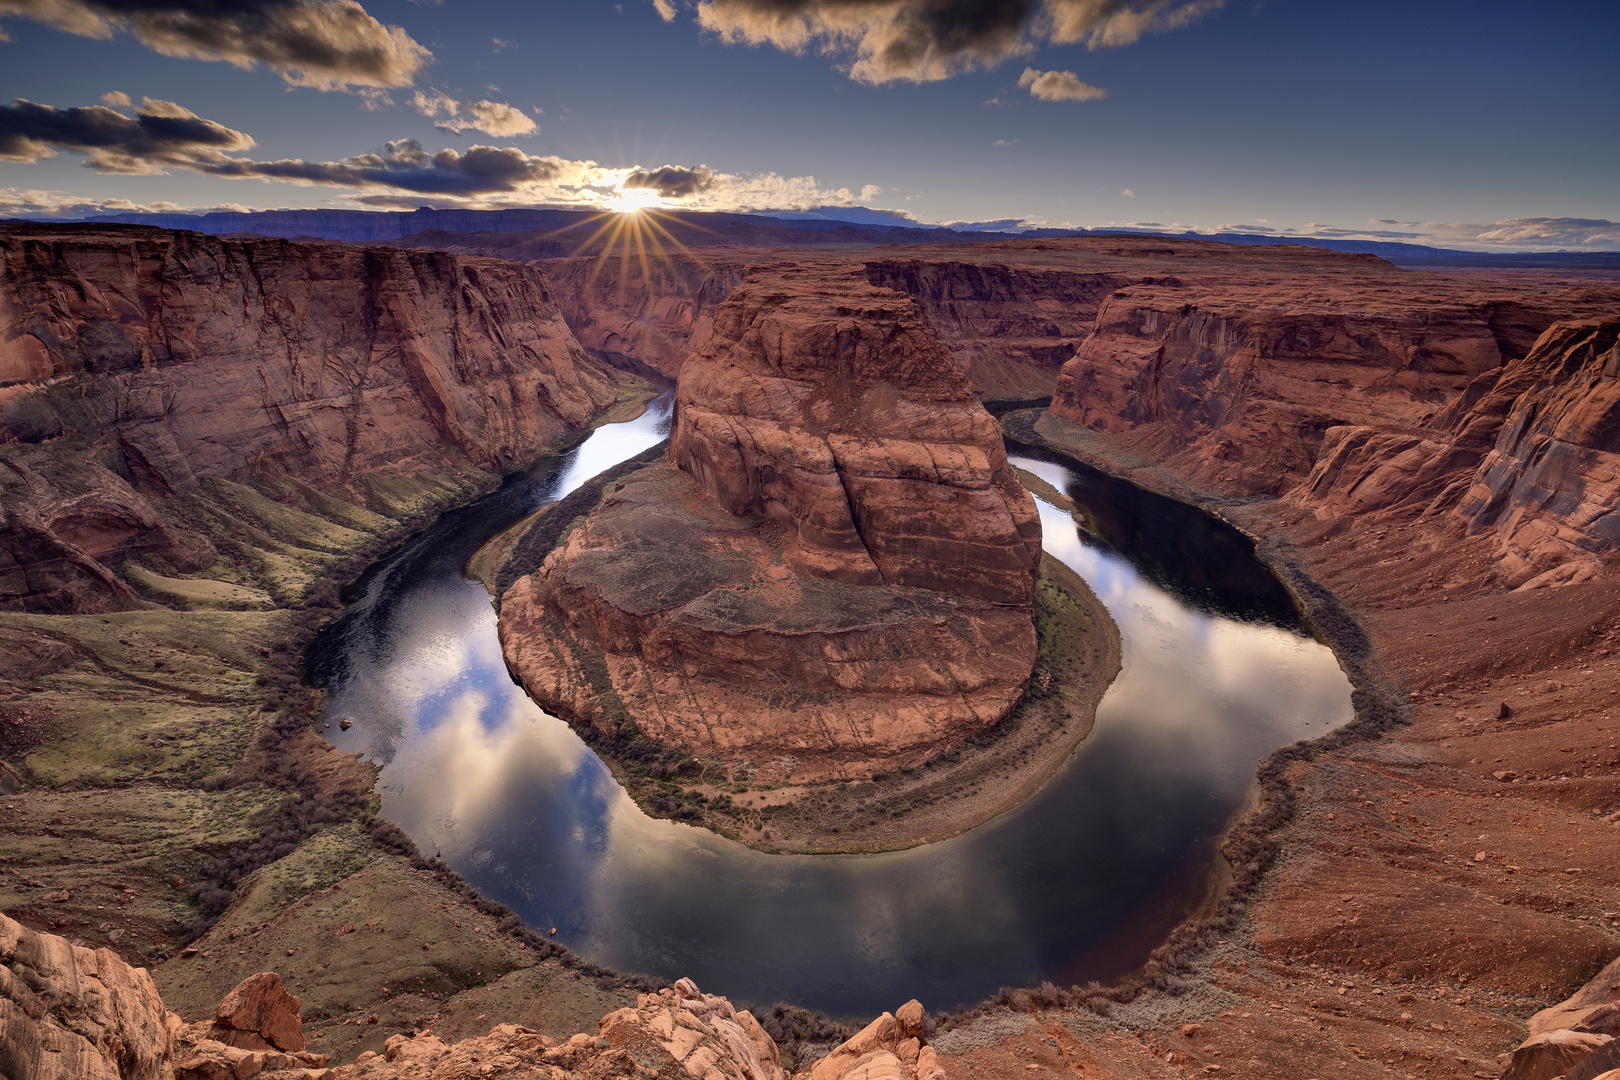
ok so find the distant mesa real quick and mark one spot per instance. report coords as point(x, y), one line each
point(834, 570)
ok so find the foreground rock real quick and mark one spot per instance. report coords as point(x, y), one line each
point(136, 365)
point(67, 1013)
point(834, 576)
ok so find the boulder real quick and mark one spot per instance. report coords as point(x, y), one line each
point(889, 1048)
point(259, 1014)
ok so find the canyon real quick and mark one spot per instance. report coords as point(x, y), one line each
point(1433, 452)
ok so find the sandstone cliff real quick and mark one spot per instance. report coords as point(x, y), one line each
point(1529, 455)
point(1010, 327)
point(648, 313)
point(837, 575)
point(136, 364)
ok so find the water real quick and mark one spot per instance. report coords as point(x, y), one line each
point(1079, 882)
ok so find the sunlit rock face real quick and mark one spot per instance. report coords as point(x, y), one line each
point(835, 574)
point(828, 405)
point(137, 363)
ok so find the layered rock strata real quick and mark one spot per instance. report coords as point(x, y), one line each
point(1528, 455)
point(837, 568)
point(135, 364)
point(1011, 328)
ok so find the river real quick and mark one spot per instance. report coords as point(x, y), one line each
point(1079, 882)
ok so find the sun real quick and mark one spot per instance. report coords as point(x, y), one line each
point(635, 200)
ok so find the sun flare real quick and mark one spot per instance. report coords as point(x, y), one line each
point(634, 200)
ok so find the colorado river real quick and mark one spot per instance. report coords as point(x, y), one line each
point(1079, 882)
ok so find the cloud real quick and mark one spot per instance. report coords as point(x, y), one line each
point(1128, 193)
point(32, 203)
point(1109, 24)
point(673, 181)
point(1059, 86)
point(665, 9)
point(927, 40)
point(1542, 232)
point(491, 117)
point(1006, 142)
point(994, 103)
point(404, 165)
point(162, 134)
point(116, 97)
point(326, 44)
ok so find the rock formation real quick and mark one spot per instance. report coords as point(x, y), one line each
point(69, 1013)
point(137, 363)
point(839, 553)
point(1231, 364)
point(1528, 454)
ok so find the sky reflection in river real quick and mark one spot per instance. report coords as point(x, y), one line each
point(1077, 883)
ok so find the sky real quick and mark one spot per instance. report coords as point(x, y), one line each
point(1484, 125)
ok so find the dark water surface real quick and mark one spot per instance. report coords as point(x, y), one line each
point(1079, 882)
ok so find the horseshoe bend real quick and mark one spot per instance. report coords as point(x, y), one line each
point(820, 620)
point(833, 575)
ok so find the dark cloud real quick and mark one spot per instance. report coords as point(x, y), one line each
point(927, 40)
point(328, 44)
point(161, 134)
point(405, 166)
point(673, 181)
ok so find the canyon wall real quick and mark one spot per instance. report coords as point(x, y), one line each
point(1011, 328)
point(138, 364)
point(646, 314)
point(1232, 367)
point(838, 552)
point(1529, 455)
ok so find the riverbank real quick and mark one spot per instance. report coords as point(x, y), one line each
point(1079, 654)
point(173, 802)
point(1425, 880)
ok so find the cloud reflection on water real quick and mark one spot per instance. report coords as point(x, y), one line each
point(1079, 881)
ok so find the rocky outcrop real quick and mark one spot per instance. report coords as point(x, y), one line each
point(70, 1013)
point(1576, 1037)
point(829, 407)
point(836, 575)
point(136, 363)
point(1528, 454)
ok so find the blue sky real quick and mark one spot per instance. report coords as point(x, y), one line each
point(1466, 124)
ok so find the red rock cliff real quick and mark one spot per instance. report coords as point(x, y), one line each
point(158, 359)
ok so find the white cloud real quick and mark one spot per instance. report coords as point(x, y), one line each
point(665, 9)
point(490, 117)
point(116, 98)
point(1006, 142)
point(1059, 86)
point(1128, 193)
